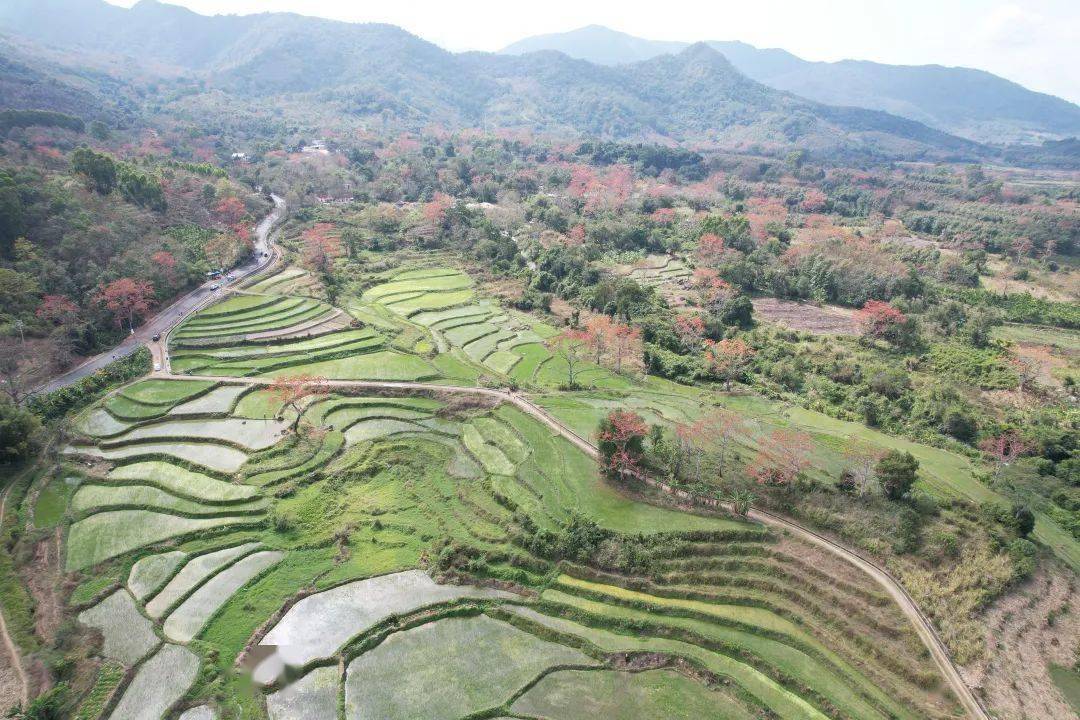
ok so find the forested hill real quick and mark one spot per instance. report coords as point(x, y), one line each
point(971, 103)
point(381, 69)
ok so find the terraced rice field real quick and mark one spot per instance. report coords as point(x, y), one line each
point(301, 562)
point(669, 275)
point(439, 303)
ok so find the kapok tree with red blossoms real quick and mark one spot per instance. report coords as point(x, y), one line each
point(229, 210)
point(290, 391)
point(881, 321)
point(1004, 449)
point(781, 458)
point(165, 266)
point(57, 309)
point(728, 359)
point(690, 329)
point(572, 345)
point(711, 249)
point(708, 287)
point(321, 248)
point(621, 438)
point(127, 299)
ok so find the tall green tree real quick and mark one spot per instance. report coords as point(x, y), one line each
point(98, 168)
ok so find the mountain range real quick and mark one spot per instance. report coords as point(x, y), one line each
point(970, 103)
point(359, 70)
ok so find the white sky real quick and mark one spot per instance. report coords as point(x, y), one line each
point(1034, 42)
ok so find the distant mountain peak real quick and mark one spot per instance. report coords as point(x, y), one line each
point(971, 103)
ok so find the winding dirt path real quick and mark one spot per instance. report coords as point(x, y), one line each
point(9, 644)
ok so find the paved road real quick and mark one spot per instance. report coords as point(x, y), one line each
point(910, 608)
point(173, 314)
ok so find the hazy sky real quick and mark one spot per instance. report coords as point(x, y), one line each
point(1034, 42)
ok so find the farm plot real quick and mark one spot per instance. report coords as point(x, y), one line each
point(448, 669)
point(312, 697)
point(218, 400)
point(248, 434)
point(159, 684)
point(193, 574)
point(105, 535)
point(188, 619)
point(766, 692)
point(381, 365)
point(92, 498)
point(129, 636)
point(148, 574)
point(253, 358)
point(591, 694)
point(807, 317)
point(290, 281)
point(272, 316)
point(213, 456)
point(183, 482)
point(150, 399)
point(319, 625)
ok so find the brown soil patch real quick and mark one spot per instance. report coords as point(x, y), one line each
point(1022, 640)
point(10, 686)
point(41, 581)
point(807, 317)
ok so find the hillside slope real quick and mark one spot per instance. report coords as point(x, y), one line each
point(971, 103)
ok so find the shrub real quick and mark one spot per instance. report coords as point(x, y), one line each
point(897, 472)
point(19, 431)
point(1023, 520)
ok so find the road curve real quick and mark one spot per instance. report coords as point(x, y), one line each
point(910, 608)
point(174, 313)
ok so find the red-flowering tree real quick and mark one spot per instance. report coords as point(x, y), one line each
point(663, 216)
point(320, 247)
point(165, 266)
point(813, 201)
point(881, 321)
point(711, 249)
point(708, 287)
point(621, 438)
point(1004, 449)
point(229, 210)
point(290, 391)
point(627, 348)
point(435, 211)
point(572, 345)
point(57, 309)
point(690, 330)
point(601, 336)
point(780, 459)
point(127, 299)
point(728, 359)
